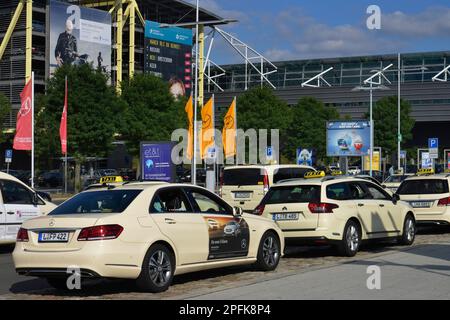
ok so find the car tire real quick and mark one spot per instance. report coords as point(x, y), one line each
point(157, 269)
point(58, 283)
point(409, 231)
point(269, 252)
point(351, 239)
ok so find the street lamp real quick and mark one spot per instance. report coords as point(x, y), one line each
point(375, 79)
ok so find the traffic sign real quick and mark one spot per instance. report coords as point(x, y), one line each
point(402, 154)
point(433, 143)
point(8, 155)
point(269, 153)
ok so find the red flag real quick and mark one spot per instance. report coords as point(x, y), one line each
point(63, 125)
point(23, 137)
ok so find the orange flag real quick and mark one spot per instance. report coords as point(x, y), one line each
point(190, 119)
point(229, 131)
point(207, 132)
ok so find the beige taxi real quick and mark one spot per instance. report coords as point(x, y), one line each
point(18, 203)
point(245, 186)
point(394, 181)
point(144, 231)
point(339, 211)
point(105, 182)
point(429, 195)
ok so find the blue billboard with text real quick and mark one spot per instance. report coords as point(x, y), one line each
point(156, 161)
point(348, 138)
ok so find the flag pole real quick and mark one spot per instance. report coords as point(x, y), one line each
point(32, 129)
point(65, 158)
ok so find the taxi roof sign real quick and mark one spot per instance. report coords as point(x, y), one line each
point(425, 171)
point(337, 173)
point(110, 179)
point(314, 174)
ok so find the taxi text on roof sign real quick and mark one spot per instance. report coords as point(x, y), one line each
point(337, 173)
point(314, 174)
point(425, 171)
point(111, 179)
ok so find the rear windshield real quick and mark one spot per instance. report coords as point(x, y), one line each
point(428, 186)
point(97, 202)
point(243, 177)
point(289, 173)
point(292, 194)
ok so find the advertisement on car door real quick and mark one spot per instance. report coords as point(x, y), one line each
point(228, 237)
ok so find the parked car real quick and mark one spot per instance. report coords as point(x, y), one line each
point(51, 179)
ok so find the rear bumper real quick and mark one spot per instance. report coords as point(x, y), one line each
point(433, 218)
point(55, 272)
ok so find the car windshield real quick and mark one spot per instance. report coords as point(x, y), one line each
point(243, 177)
point(396, 178)
point(293, 194)
point(423, 186)
point(289, 173)
point(105, 201)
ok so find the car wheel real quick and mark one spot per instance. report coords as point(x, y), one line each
point(351, 239)
point(157, 269)
point(409, 231)
point(58, 283)
point(269, 252)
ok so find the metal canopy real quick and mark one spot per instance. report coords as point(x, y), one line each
point(163, 11)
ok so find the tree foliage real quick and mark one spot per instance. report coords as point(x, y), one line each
point(93, 108)
point(5, 108)
point(385, 118)
point(308, 127)
point(152, 113)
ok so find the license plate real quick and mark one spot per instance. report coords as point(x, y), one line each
point(53, 237)
point(285, 216)
point(242, 195)
point(421, 204)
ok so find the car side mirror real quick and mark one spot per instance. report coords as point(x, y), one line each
point(395, 198)
point(237, 211)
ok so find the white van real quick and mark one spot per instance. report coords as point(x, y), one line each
point(245, 186)
point(18, 203)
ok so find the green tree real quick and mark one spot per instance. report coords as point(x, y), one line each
point(152, 113)
point(5, 108)
point(385, 123)
point(308, 128)
point(93, 108)
point(259, 108)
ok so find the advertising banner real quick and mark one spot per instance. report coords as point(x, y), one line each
point(168, 55)
point(79, 35)
point(228, 236)
point(348, 138)
point(426, 160)
point(376, 163)
point(305, 157)
point(156, 161)
point(448, 161)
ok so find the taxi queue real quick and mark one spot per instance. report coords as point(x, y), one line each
point(151, 231)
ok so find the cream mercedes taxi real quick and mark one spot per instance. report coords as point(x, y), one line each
point(144, 231)
point(429, 195)
point(18, 203)
point(341, 211)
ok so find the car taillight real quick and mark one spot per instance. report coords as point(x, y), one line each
point(106, 232)
point(444, 202)
point(259, 210)
point(266, 182)
point(322, 207)
point(22, 235)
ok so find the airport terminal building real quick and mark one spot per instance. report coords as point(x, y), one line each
point(430, 100)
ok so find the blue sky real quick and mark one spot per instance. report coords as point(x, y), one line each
point(295, 29)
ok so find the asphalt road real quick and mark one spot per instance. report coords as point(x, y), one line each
point(419, 273)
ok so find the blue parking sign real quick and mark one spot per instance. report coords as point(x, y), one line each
point(269, 151)
point(433, 143)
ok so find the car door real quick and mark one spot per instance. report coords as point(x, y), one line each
point(18, 206)
point(229, 236)
point(391, 219)
point(172, 212)
point(367, 212)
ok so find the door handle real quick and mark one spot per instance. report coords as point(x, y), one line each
point(170, 221)
point(381, 205)
point(10, 212)
point(360, 204)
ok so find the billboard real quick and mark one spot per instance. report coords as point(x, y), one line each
point(79, 35)
point(306, 156)
point(156, 161)
point(376, 163)
point(348, 138)
point(168, 55)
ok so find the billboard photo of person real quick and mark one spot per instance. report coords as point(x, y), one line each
point(66, 46)
point(176, 87)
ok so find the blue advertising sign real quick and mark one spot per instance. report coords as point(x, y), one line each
point(171, 34)
point(348, 138)
point(156, 161)
point(8, 155)
point(433, 143)
point(305, 157)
